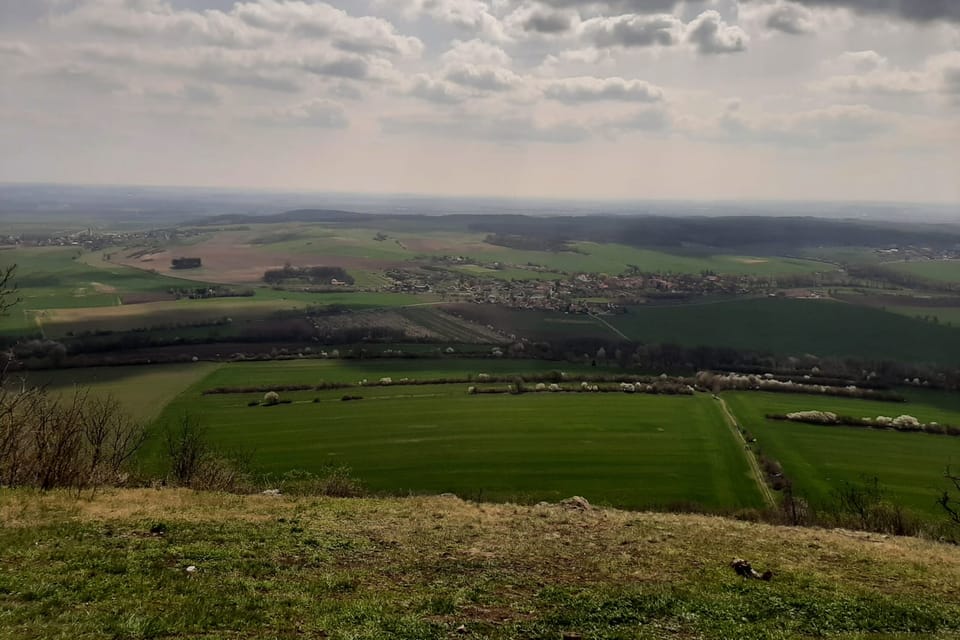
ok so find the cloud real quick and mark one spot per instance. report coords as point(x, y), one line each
point(482, 77)
point(438, 91)
point(471, 16)
point(914, 10)
point(475, 52)
point(837, 124)
point(590, 89)
point(936, 75)
point(791, 19)
point(14, 49)
point(633, 30)
point(319, 113)
point(247, 25)
point(711, 35)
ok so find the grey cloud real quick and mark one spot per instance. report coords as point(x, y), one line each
point(589, 89)
point(14, 49)
point(650, 119)
point(81, 77)
point(482, 77)
point(352, 68)
point(633, 30)
point(431, 90)
point(711, 35)
point(915, 10)
point(548, 22)
point(790, 19)
point(839, 124)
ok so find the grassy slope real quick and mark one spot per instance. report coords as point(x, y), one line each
point(143, 391)
point(628, 451)
point(819, 327)
point(419, 568)
point(909, 465)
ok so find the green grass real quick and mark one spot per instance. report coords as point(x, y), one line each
point(630, 451)
point(143, 391)
point(590, 258)
point(938, 270)
point(418, 569)
point(820, 458)
point(794, 327)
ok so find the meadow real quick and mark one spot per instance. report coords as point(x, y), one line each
point(626, 451)
point(819, 459)
point(937, 270)
point(143, 391)
point(794, 327)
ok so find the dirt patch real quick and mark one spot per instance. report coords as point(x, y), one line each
point(99, 287)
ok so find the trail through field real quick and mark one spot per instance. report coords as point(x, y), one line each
point(732, 422)
point(610, 326)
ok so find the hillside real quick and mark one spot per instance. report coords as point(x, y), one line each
point(115, 566)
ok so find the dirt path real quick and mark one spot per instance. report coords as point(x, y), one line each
point(731, 421)
point(611, 327)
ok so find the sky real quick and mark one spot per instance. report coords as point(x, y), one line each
point(622, 99)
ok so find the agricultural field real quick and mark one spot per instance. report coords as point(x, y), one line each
point(535, 325)
point(936, 270)
point(794, 327)
point(819, 459)
point(143, 391)
point(243, 256)
point(627, 451)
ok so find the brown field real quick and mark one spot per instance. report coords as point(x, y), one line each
point(229, 258)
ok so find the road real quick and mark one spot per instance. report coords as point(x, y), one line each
point(758, 476)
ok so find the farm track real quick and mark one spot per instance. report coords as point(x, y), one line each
point(611, 327)
point(732, 423)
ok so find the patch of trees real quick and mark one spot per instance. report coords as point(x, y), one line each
point(904, 423)
point(216, 291)
point(534, 242)
point(186, 263)
point(307, 275)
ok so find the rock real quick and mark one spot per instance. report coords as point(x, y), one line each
point(462, 629)
point(191, 569)
point(271, 492)
point(576, 503)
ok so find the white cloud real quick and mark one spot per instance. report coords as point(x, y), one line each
point(589, 89)
point(710, 34)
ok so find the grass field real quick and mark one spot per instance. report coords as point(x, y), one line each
point(938, 270)
point(143, 391)
point(794, 327)
point(629, 451)
point(589, 258)
point(819, 459)
point(419, 568)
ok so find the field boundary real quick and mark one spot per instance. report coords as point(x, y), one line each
point(732, 423)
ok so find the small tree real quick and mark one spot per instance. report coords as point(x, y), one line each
point(271, 398)
point(8, 291)
point(949, 502)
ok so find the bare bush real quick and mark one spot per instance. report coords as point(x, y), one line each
point(75, 441)
point(193, 462)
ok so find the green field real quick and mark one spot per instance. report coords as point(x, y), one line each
point(938, 270)
point(628, 451)
point(143, 391)
point(819, 459)
point(794, 327)
point(589, 257)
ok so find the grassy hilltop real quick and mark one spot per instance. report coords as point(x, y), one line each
point(115, 566)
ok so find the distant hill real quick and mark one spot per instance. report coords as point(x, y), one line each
point(731, 233)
